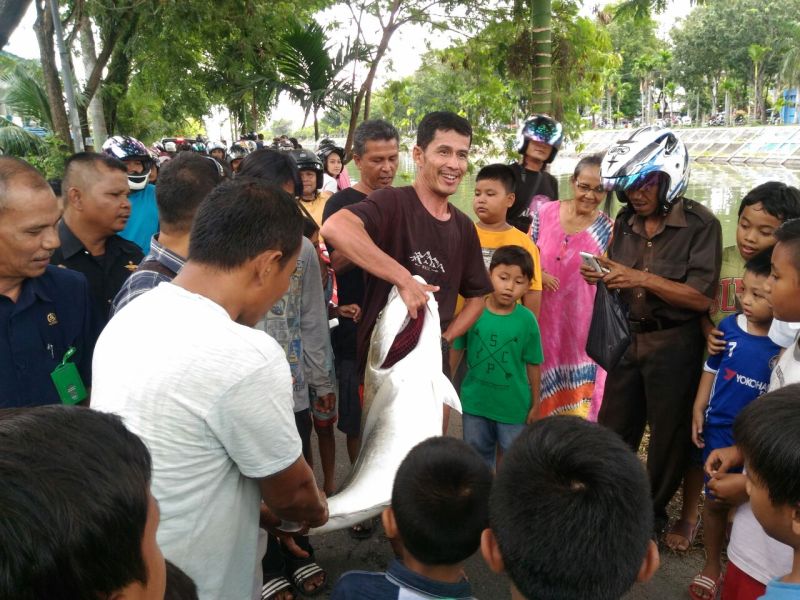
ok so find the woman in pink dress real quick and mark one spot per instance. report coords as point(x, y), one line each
point(572, 383)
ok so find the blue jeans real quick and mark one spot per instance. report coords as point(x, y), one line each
point(485, 435)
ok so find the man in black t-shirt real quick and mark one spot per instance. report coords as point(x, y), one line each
point(397, 233)
point(376, 152)
point(538, 141)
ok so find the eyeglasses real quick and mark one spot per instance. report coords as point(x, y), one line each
point(586, 189)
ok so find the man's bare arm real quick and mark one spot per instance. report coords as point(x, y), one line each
point(292, 495)
point(348, 235)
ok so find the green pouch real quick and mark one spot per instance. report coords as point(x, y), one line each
point(68, 381)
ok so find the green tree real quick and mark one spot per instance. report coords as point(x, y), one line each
point(310, 75)
point(790, 74)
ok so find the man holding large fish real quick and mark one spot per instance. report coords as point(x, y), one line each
point(397, 233)
point(412, 242)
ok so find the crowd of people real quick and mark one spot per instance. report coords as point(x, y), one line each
point(177, 322)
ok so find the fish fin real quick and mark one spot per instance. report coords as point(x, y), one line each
point(444, 389)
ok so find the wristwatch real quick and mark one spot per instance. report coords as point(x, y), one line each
point(445, 344)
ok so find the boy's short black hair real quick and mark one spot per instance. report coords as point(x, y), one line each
point(514, 256)
point(767, 432)
point(242, 218)
point(183, 182)
point(778, 199)
point(761, 263)
point(440, 500)
point(571, 511)
point(179, 585)
point(499, 172)
point(441, 120)
point(788, 234)
point(277, 168)
point(73, 503)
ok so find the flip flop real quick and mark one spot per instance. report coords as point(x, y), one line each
point(303, 572)
point(710, 589)
point(274, 586)
point(685, 529)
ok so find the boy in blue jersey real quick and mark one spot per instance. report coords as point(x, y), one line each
point(731, 380)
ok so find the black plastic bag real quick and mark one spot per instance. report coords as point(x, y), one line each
point(609, 332)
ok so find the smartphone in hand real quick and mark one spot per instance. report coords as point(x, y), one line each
point(591, 261)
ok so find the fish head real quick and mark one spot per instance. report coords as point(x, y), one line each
point(395, 335)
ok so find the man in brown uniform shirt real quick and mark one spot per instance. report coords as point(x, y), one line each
point(665, 258)
point(400, 232)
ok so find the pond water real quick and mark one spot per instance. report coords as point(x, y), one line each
point(720, 187)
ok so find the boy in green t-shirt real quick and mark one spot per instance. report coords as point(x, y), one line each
point(500, 393)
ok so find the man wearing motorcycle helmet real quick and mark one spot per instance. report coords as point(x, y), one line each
point(311, 175)
point(235, 155)
point(538, 141)
point(143, 222)
point(665, 259)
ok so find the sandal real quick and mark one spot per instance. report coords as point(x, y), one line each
point(685, 529)
point(276, 585)
point(303, 573)
point(362, 531)
point(704, 588)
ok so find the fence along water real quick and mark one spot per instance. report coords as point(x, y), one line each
point(767, 145)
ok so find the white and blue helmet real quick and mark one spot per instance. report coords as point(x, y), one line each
point(645, 151)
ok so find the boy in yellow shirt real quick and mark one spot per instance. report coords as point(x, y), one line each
point(494, 195)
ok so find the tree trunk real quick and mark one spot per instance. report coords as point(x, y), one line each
point(44, 35)
point(97, 117)
point(11, 13)
point(119, 72)
point(367, 100)
point(542, 56)
point(388, 31)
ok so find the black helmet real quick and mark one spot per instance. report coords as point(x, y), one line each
point(308, 161)
point(326, 148)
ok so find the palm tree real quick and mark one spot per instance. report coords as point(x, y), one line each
point(758, 54)
point(16, 141)
point(790, 75)
point(309, 74)
point(25, 95)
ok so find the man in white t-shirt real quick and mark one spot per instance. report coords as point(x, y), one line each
point(754, 557)
point(210, 396)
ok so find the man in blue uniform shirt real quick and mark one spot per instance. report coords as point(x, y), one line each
point(44, 310)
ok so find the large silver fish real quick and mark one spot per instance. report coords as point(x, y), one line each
point(404, 389)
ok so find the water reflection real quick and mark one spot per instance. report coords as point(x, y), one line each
point(720, 187)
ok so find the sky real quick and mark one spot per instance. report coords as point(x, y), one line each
point(403, 57)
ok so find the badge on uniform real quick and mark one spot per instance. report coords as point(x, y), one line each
point(68, 381)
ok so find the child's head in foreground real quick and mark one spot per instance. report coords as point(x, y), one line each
point(511, 272)
point(76, 508)
point(783, 284)
point(767, 432)
point(570, 514)
point(761, 212)
point(494, 193)
point(753, 297)
point(440, 503)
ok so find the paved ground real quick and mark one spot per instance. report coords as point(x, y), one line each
point(337, 552)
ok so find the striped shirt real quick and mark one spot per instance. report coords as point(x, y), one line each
point(143, 280)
